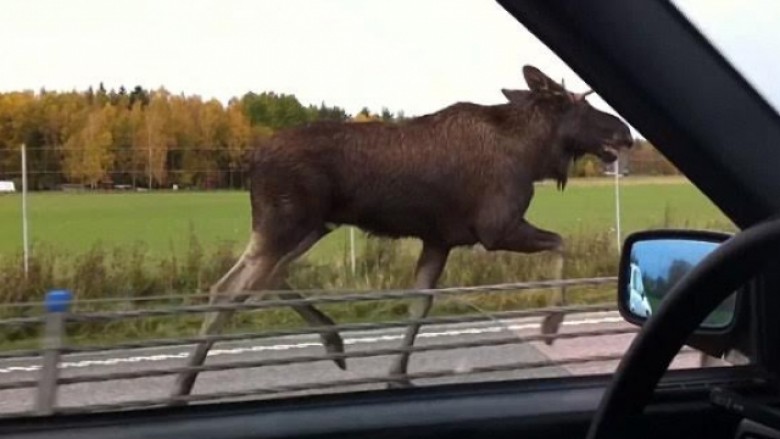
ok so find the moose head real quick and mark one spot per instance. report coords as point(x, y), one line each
point(579, 127)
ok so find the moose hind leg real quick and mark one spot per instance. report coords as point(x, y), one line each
point(252, 269)
point(429, 268)
point(331, 340)
point(273, 247)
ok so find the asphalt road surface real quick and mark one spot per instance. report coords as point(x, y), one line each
point(456, 361)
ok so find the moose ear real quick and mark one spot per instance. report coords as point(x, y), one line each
point(539, 82)
point(515, 96)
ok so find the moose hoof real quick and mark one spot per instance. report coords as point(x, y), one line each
point(335, 345)
point(341, 363)
point(550, 325)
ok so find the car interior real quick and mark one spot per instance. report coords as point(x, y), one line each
point(655, 68)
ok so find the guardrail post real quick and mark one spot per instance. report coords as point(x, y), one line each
point(57, 304)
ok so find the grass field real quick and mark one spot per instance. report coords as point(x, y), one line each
point(162, 220)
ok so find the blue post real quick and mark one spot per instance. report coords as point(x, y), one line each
point(57, 305)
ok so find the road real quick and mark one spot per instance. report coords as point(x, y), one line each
point(459, 361)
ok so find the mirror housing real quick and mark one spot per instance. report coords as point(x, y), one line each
point(653, 261)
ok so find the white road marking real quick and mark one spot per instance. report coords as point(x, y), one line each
point(285, 347)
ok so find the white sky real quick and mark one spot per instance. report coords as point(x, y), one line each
point(412, 55)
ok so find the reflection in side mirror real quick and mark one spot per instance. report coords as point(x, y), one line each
point(653, 262)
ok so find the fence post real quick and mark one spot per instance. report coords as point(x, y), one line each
point(25, 226)
point(57, 304)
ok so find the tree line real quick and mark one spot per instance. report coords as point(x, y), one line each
point(152, 138)
point(144, 137)
point(660, 285)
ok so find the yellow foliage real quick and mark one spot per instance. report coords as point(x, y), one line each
point(88, 152)
point(362, 117)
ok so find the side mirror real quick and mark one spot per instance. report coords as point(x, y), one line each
point(654, 261)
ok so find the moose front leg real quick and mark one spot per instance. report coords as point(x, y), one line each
point(427, 274)
point(552, 321)
point(523, 237)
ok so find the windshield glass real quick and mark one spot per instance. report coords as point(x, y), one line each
point(286, 160)
point(747, 36)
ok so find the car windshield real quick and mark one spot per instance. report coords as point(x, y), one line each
point(130, 138)
point(746, 36)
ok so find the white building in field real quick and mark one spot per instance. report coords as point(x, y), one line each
point(7, 186)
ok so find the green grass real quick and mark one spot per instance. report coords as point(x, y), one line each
point(133, 245)
point(589, 205)
point(162, 220)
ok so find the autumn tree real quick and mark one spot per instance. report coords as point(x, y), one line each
point(183, 127)
point(211, 134)
point(12, 106)
point(364, 115)
point(144, 137)
point(645, 159)
point(122, 134)
point(154, 138)
point(237, 138)
point(88, 156)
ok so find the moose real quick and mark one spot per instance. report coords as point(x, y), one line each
point(461, 176)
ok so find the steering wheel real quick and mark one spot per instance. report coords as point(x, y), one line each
point(683, 309)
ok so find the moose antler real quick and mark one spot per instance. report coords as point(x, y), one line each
point(576, 97)
point(582, 95)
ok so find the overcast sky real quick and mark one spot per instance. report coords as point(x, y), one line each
point(412, 55)
point(654, 257)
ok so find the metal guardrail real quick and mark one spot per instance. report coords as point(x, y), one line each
point(330, 295)
point(469, 318)
point(59, 311)
point(327, 297)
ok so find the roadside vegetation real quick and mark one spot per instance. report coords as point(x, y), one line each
point(107, 266)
